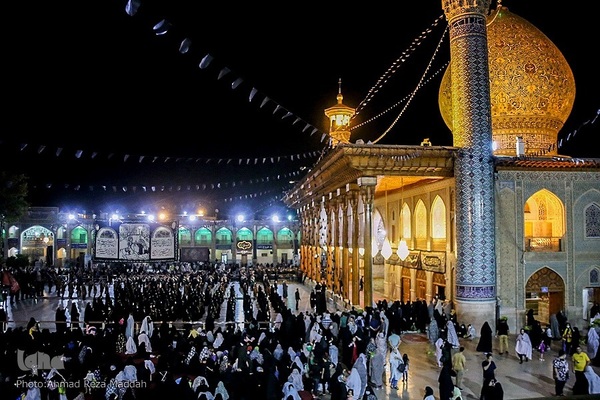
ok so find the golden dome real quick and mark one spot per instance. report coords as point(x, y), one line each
point(532, 88)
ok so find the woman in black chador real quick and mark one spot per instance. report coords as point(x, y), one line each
point(485, 339)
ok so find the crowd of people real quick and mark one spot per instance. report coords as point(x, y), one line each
point(270, 353)
point(216, 331)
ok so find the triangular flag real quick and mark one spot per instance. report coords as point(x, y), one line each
point(205, 62)
point(132, 7)
point(184, 47)
point(223, 72)
point(236, 83)
point(252, 94)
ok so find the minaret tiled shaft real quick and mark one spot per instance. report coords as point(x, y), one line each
point(474, 168)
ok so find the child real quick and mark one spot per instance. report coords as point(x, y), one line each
point(542, 349)
point(405, 372)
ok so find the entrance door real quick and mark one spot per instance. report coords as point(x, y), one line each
point(546, 286)
point(405, 290)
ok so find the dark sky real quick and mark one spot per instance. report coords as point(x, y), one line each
point(100, 105)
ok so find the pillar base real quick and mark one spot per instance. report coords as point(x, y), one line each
point(476, 313)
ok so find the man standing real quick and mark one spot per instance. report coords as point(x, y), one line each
point(502, 333)
point(489, 369)
point(560, 372)
point(297, 294)
point(459, 363)
point(580, 362)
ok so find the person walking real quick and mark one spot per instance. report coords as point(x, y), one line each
point(489, 374)
point(406, 361)
point(502, 333)
point(488, 367)
point(580, 362)
point(567, 338)
point(523, 346)
point(542, 348)
point(445, 384)
point(485, 338)
point(459, 362)
point(297, 297)
point(439, 345)
point(560, 372)
point(396, 367)
point(492, 391)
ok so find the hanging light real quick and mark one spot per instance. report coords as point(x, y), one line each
point(386, 249)
point(402, 250)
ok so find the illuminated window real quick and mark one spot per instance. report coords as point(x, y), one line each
point(438, 219)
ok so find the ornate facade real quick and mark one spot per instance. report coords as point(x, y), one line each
point(499, 223)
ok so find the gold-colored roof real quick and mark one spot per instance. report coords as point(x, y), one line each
point(532, 88)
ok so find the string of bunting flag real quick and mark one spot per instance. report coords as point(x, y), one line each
point(163, 26)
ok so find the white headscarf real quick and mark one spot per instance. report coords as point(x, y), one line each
point(290, 390)
point(593, 380)
point(130, 346)
point(143, 338)
point(592, 342)
point(222, 390)
point(296, 378)
point(147, 326)
point(353, 382)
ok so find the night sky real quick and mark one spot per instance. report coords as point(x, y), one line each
point(222, 105)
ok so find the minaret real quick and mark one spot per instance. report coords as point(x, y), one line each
point(339, 119)
point(473, 167)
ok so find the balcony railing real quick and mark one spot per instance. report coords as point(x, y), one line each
point(550, 244)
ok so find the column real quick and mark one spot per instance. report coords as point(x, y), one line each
point(473, 166)
point(343, 265)
point(213, 242)
point(367, 184)
point(315, 251)
point(355, 275)
point(304, 254)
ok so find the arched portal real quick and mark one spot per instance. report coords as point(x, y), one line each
point(545, 294)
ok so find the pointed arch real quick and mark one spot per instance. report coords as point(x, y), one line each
point(421, 224)
point(244, 234)
point(591, 221)
point(544, 221)
point(185, 236)
point(203, 237)
point(545, 293)
point(405, 221)
point(438, 218)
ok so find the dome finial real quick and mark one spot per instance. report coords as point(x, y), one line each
point(340, 97)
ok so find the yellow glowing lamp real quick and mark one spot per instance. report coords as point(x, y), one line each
point(339, 119)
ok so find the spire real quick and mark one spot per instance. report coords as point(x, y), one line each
point(339, 119)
